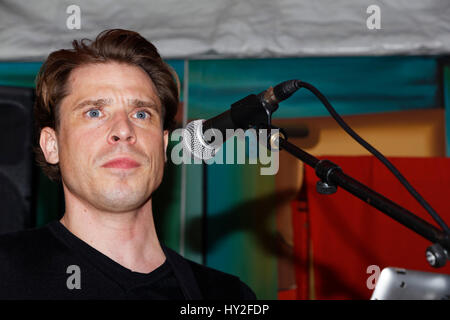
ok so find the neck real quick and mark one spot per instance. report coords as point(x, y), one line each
point(128, 238)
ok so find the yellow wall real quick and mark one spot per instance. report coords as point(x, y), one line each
point(418, 133)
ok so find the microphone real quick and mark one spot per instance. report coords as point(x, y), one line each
point(200, 137)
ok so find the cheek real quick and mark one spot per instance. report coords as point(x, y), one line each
point(78, 146)
point(157, 143)
point(154, 146)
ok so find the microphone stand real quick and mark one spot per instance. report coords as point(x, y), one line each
point(256, 111)
point(331, 176)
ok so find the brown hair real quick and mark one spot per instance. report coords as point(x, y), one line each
point(110, 45)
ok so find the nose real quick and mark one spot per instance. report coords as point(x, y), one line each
point(122, 130)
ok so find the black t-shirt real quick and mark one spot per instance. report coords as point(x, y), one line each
point(158, 284)
point(52, 263)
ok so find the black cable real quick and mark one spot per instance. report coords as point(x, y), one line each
point(300, 84)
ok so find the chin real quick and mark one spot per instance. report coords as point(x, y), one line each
point(119, 200)
point(119, 205)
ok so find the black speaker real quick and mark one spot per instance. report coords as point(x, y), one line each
point(17, 169)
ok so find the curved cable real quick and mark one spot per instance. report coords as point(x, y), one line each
point(300, 84)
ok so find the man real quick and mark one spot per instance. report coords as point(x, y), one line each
point(103, 110)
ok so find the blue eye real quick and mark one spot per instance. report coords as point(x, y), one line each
point(141, 115)
point(94, 113)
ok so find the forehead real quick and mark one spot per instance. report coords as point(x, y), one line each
point(113, 81)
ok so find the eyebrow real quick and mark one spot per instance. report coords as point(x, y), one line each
point(137, 103)
point(143, 104)
point(97, 103)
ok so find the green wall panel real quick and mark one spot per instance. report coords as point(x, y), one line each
point(19, 74)
point(241, 224)
point(354, 85)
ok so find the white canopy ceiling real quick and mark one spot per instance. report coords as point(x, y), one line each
point(30, 30)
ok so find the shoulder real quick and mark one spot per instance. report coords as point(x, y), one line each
point(220, 285)
point(26, 247)
point(23, 240)
point(215, 284)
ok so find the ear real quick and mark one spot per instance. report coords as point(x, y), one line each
point(49, 145)
point(166, 141)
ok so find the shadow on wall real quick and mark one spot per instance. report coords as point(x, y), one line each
point(254, 217)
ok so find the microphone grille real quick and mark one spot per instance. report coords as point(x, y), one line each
point(193, 141)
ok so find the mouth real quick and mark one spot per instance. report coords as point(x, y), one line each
point(121, 163)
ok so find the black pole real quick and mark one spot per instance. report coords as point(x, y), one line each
point(204, 227)
point(331, 174)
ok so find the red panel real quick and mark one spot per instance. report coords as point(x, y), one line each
point(301, 246)
point(348, 235)
point(287, 294)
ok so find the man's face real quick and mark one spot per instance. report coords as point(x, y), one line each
point(110, 145)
